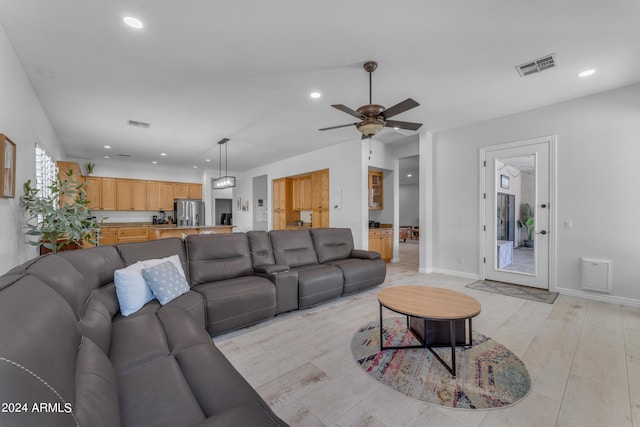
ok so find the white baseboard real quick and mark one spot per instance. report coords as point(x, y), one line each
point(454, 273)
point(600, 297)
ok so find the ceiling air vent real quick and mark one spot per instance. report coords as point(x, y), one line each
point(124, 155)
point(138, 124)
point(537, 66)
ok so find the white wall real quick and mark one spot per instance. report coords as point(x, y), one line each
point(23, 121)
point(598, 147)
point(344, 162)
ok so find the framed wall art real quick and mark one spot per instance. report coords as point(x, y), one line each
point(8, 172)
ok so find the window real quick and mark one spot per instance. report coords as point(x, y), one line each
point(46, 172)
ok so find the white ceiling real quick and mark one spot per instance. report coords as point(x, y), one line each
point(202, 70)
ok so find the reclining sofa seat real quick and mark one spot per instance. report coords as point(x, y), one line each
point(221, 270)
point(361, 269)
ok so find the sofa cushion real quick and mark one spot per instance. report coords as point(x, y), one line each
point(154, 249)
point(131, 288)
point(99, 311)
point(332, 243)
point(293, 247)
point(165, 281)
point(318, 283)
point(215, 257)
point(63, 277)
point(360, 274)
point(95, 264)
point(261, 250)
point(237, 302)
point(96, 388)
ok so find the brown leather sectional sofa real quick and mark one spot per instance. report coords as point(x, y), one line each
point(69, 358)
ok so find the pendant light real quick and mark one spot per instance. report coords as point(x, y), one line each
point(225, 181)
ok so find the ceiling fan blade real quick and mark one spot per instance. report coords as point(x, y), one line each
point(348, 110)
point(401, 107)
point(403, 125)
point(337, 127)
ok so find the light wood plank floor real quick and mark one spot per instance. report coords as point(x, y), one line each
point(583, 357)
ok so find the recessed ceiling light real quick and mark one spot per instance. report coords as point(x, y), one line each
point(163, 154)
point(133, 22)
point(107, 157)
point(586, 73)
point(315, 95)
point(108, 147)
point(207, 160)
point(154, 162)
point(195, 167)
point(409, 175)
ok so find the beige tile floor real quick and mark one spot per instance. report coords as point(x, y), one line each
point(583, 357)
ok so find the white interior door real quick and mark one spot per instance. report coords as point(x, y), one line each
point(515, 176)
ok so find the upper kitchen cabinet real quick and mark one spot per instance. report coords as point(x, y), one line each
point(160, 196)
point(376, 190)
point(76, 178)
point(94, 192)
point(131, 195)
point(195, 191)
point(302, 193)
point(108, 194)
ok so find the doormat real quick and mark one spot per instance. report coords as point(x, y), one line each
point(517, 291)
point(488, 374)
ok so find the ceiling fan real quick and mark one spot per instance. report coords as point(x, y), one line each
point(374, 117)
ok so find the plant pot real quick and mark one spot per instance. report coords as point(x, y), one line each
point(71, 246)
point(528, 243)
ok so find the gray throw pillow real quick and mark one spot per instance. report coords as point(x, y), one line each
point(165, 281)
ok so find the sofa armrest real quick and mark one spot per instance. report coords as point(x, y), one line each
point(359, 253)
point(271, 268)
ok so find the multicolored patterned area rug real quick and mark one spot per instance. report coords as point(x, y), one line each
point(488, 374)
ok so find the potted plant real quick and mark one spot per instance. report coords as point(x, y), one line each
point(60, 218)
point(527, 222)
point(88, 167)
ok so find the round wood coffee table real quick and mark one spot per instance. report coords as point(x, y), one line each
point(433, 315)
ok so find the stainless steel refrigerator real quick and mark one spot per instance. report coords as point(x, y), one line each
point(188, 212)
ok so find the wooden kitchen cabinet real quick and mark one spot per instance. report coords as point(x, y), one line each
point(131, 195)
point(376, 190)
point(381, 241)
point(195, 191)
point(133, 234)
point(94, 192)
point(320, 189)
point(76, 178)
point(108, 236)
point(302, 193)
point(282, 202)
point(320, 219)
point(180, 190)
point(108, 194)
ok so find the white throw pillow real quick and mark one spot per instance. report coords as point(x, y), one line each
point(131, 288)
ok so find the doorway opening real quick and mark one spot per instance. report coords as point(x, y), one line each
point(223, 212)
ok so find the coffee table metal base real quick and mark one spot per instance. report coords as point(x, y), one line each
point(430, 347)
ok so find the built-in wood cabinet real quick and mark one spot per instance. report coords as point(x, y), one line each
point(376, 190)
point(108, 236)
point(282, 202)
point(76, 178)
point(131, 195)
point(94, 192)
point(108, 194)
point(381, 240)
point(294, 194)
point(133, 234)
point(134, 194)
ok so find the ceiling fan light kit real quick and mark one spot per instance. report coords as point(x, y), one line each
point(374, 117)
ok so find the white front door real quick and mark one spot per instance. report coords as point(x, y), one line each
point(517, 213)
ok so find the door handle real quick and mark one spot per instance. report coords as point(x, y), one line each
point(542, 232)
